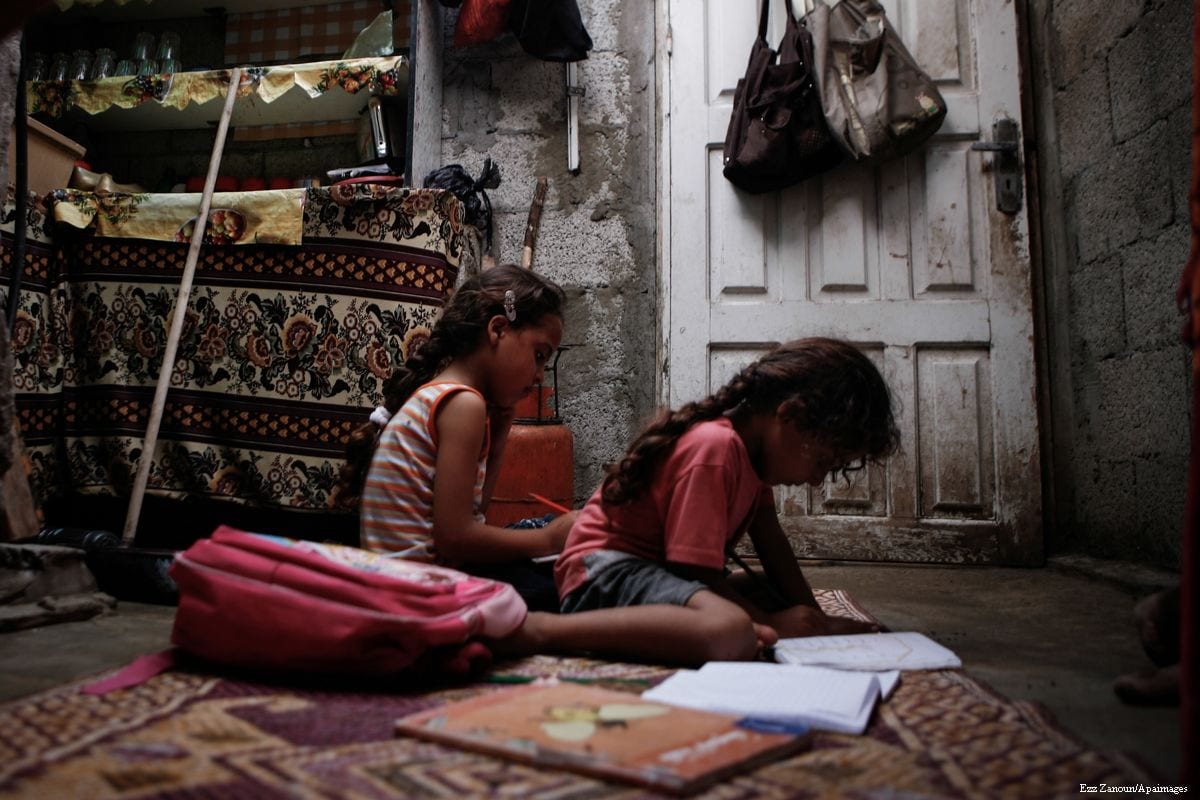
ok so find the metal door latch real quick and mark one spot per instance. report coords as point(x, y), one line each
point(1006, 166)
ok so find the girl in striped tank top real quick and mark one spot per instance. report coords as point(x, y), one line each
point(422, 471)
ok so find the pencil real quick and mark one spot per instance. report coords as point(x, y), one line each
point(546, 501)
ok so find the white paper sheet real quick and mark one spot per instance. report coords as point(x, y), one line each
point(867, 651)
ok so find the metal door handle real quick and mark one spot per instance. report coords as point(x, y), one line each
point(1006, 164)
point(995, 147)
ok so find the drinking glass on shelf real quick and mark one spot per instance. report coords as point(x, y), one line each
point(143, 45)
point(168, 45)
point(58, 67)
point(147, 66)
point(168, 65)
point(81, 65)
point(104, 64)
point(126, 66)
point(36, 69)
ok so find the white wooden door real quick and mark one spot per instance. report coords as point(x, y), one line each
point(911, 261)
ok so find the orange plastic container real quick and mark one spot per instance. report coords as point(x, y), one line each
point(539, 458)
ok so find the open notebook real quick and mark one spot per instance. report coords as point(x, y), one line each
point(779, 695)
point(867, 651)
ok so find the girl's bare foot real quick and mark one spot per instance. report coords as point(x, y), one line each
point(766, 635)
point(1156, 687)
point(529, 639)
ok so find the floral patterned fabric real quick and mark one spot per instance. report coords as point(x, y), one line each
point(269, 217)
point(284, 349)
point(375, 75)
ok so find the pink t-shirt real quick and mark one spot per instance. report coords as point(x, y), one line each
point(700, 499)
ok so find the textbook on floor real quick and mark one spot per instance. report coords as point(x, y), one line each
point(604, 733)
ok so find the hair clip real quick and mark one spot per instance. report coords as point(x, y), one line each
point(510, 305)
point(380, 416)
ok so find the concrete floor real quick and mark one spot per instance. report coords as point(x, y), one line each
point(1058, 635)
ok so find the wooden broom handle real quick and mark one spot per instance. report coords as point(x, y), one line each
point(177, 317)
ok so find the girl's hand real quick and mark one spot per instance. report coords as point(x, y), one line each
point(837, 626)
point(807, 621)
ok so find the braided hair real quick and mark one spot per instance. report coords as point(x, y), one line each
point(458, 332)
point(832, 389)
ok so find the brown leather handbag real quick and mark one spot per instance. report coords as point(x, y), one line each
point(777, 133)
point(878, 102)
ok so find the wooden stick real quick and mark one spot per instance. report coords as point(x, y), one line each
point(19, 516)
point(535, 220)
point(177, 316)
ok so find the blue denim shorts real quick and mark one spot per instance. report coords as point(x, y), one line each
point(618, 579)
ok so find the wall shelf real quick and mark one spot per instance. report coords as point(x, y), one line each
point(289, 93)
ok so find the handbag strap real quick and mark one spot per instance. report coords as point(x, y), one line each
point(765, 14)
point(763, 17)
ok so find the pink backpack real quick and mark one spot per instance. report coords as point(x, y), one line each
point(251, 600)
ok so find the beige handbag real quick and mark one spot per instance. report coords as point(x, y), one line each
point(878, 102)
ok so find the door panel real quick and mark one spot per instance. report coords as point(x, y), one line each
point(910, 261)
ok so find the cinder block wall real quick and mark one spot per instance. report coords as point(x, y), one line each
point(1115, 147)
point(597, 236)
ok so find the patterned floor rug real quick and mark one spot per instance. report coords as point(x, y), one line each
point(191, 734)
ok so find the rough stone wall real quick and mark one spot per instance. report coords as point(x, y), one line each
point(1121, 90)
point(597, 236)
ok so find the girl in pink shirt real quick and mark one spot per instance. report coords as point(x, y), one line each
point(645, 560)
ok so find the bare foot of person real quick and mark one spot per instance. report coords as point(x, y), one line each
point(527, 640)
point(766, 635)
point(1157, 621)
point(1151, 687)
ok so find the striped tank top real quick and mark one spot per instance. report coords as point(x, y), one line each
point(396, 515)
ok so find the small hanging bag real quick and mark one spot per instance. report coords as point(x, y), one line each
point(878, 101)
point(777, 134)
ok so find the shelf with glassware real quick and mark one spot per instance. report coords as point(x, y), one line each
point(283, 94)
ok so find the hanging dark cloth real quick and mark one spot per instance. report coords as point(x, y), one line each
point(551, 30)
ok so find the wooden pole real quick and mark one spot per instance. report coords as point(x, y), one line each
point(535, 220)
point(177, 317)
